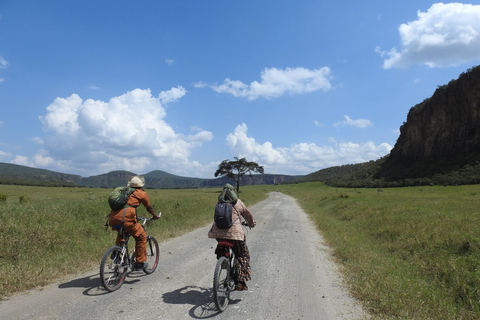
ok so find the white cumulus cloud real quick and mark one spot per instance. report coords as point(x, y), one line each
point(127, 132)
point(359, 123)
point(275, 83)
point(302, 158)
point(172, 95)
point(446, 35)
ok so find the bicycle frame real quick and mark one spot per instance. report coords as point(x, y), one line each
point(224, 275)
point(227, 247)
point(226, 272)
point(126, 258)
point(130, 258)
point(117, 260)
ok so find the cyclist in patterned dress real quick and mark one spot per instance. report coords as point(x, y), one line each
point(236, 235)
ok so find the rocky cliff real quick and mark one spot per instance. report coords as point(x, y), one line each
point(442, 129)
point(446, 124)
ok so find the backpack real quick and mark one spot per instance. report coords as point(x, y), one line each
point(223, 215)
point(228, 195)
point(119, 196)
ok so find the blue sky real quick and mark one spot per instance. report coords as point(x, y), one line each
point(88, 87)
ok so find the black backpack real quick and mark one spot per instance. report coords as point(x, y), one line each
point(118, 198)
point(224, 207)
point(223, 215)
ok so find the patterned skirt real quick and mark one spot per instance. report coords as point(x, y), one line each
point(243, 259)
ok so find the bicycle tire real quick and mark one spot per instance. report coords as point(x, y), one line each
point(112, 272)
point(221, 279)
point(235, 268)
point(153, 255)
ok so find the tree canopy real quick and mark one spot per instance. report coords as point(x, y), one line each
point(237, 168)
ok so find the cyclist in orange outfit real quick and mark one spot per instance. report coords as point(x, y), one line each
point(127, 218)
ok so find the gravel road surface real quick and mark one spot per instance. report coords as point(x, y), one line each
point(293, 277)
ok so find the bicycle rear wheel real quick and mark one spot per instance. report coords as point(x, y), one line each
point(221, 279)
point(153, 254)
point(112, 269)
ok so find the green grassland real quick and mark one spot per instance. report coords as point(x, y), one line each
point(406, 253)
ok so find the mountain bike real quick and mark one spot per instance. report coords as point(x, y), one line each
point(117, 260)
point(226, 271)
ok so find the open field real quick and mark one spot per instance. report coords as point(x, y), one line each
point(407, 253)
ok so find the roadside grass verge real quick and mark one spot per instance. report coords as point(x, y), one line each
point(407, 253)
point(48, 233)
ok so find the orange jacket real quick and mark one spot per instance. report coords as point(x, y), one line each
point(139, 196)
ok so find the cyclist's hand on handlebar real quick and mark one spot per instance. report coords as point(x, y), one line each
point(155, 217)
point(253, 225)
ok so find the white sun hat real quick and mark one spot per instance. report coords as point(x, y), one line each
point(136, 182)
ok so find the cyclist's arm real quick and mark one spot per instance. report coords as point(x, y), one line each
point(246, 214)
point(152, 212)
point(145, 200)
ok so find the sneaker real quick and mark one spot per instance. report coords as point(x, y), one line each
point(141, 265)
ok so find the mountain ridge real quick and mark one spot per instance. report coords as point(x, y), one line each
point(14, 174)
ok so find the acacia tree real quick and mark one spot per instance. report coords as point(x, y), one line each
point(236, 169)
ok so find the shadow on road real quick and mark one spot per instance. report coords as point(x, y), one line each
point(94, 286)
point(200, 298)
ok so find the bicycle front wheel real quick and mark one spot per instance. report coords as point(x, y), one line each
point(221, 279)
point(153, 253)
point(112, 269)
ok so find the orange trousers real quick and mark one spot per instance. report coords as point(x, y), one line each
point(138, 233)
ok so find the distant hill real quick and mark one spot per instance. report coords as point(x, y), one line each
point(21, 175)
point(439, 144)
point(107, 180)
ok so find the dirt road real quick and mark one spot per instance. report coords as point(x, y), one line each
point(292, 278)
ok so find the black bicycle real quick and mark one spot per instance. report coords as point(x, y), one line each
point(117, 260)
point(226, 271)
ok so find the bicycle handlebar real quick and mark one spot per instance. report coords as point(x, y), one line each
point(147, 219)
point(245, 223)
